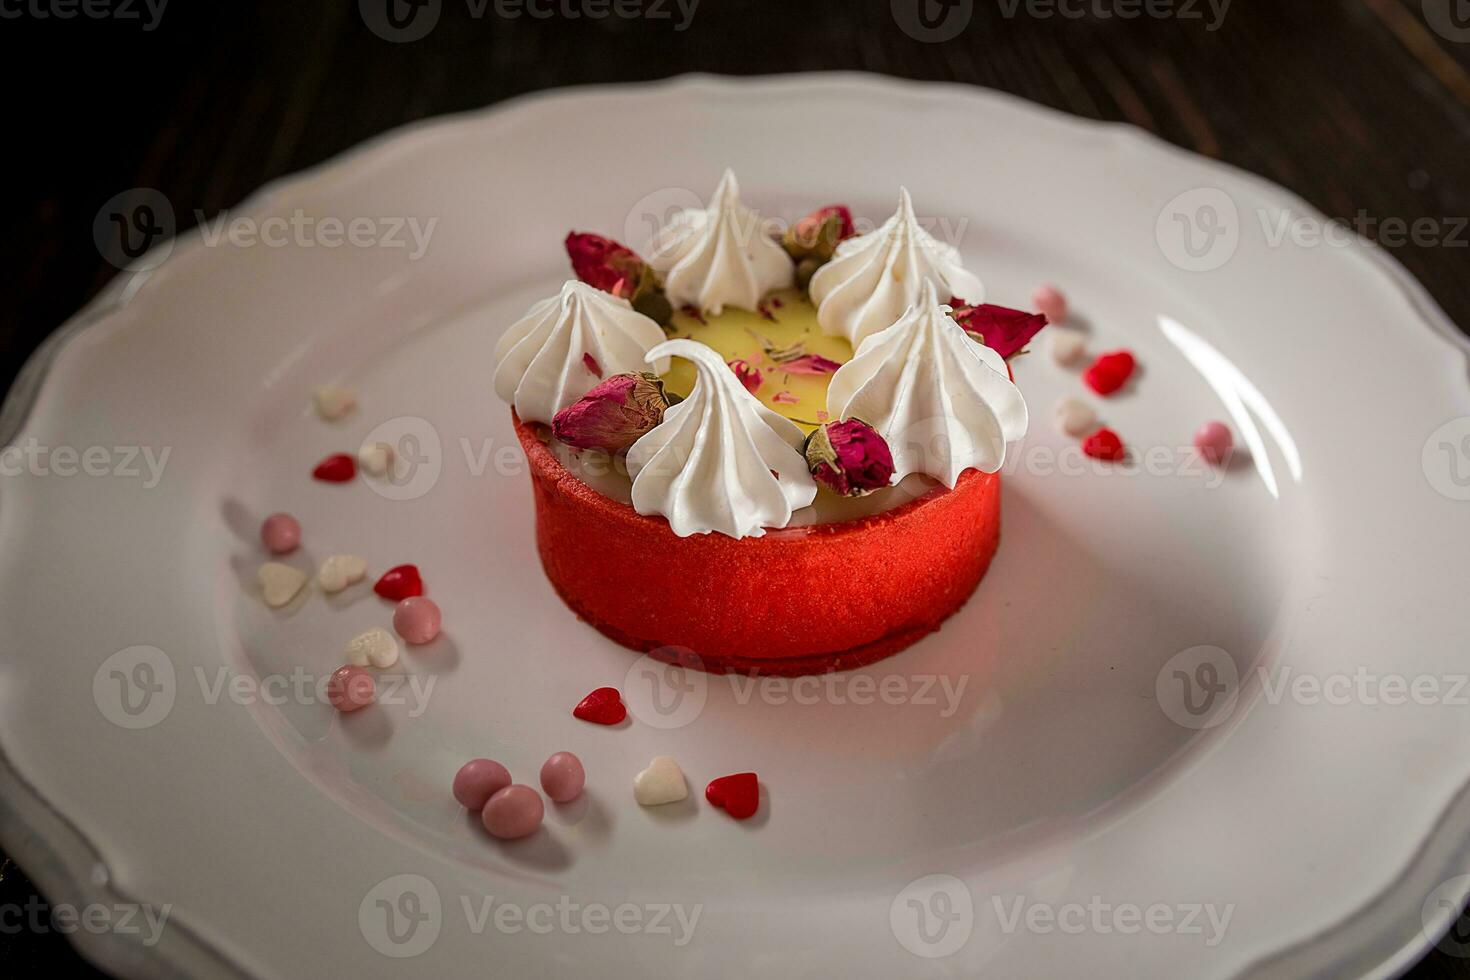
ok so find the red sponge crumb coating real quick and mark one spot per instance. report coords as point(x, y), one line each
point(797, 601)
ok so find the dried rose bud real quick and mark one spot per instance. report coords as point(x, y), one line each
point(1003, 330)
point(617, 269)
point(613, 415)
point(749, 376)
point(818, 234)
point(603, 263)
point(849, 458)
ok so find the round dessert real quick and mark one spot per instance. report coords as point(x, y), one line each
point(766, 455)
point(800, 600)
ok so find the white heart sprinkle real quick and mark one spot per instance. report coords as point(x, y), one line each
point(340, 571)
point(662, 782)
point(375, 458)
point(375, 648)
point(1065, 344)
point(279, 583)
point(1074, 417)
point(334, 401)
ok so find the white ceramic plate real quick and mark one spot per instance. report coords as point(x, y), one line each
point(1057, 809)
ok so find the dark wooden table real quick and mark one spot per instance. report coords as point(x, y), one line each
point(1362, 107)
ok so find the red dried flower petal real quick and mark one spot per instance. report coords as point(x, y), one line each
point(592, 365)
point(810, 364)
point(749, 376)
point(1000, 328)
point(785, 398)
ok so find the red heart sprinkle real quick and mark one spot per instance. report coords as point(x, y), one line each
point(1104, 444)
point(602, 707)
point(400, 582)
point(739, 795)
point(337, 468)
point(1110, 372)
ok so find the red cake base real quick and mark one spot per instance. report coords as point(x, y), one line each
point(797, 601)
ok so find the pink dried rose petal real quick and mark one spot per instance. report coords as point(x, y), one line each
point(849, 458)
point(749, 376)
point(785, 398)
point(1003, 330)
point(810, 364)
point(614, 414)
point(592, 365)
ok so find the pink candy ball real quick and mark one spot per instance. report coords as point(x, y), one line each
point(1050, 302)
point(1214, 442)
point(477, 781)
point(281, 534)
point(563, 777)
point(417, 619)
point(515, 811)
point(351, 688)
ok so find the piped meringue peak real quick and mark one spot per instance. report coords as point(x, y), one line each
point(720, 255)
point(873, 278)
point(565, 345)
point(720, 460)
point(943, 402)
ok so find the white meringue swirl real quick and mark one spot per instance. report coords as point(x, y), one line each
point(942, 401)
point(540, 366)
point(720, 460)
point(719, 255)
point(873, 278)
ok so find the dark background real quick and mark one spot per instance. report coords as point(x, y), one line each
point(1362, 107)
